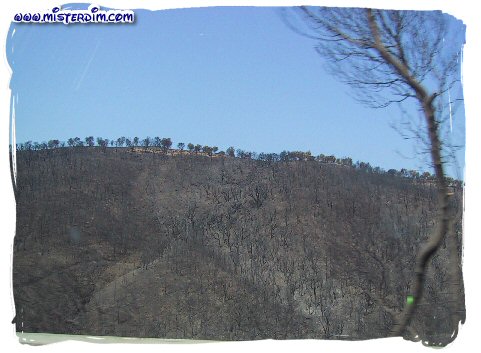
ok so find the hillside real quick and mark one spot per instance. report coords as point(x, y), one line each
point(119, 241)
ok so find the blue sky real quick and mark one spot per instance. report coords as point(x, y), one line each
point(214, 76)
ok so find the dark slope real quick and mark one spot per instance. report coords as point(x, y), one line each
point(142, 244)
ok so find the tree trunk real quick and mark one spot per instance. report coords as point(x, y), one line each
point(432, 245)
point(429, 249)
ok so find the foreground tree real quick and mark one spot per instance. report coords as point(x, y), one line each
point(390, 57)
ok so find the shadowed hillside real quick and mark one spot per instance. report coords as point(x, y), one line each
point(119, 241)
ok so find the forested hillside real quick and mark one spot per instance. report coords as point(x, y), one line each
point(149, 243)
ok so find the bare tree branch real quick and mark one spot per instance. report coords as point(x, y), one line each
point(388, 57)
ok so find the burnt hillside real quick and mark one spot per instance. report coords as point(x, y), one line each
point(117, 241)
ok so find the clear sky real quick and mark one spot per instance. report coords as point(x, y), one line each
point(214, 76)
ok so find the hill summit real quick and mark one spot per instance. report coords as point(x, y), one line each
point(135, 242)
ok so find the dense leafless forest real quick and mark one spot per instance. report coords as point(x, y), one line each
point(155, 242)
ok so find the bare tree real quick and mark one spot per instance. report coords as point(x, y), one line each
point(391, 57)
point(166, 143)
